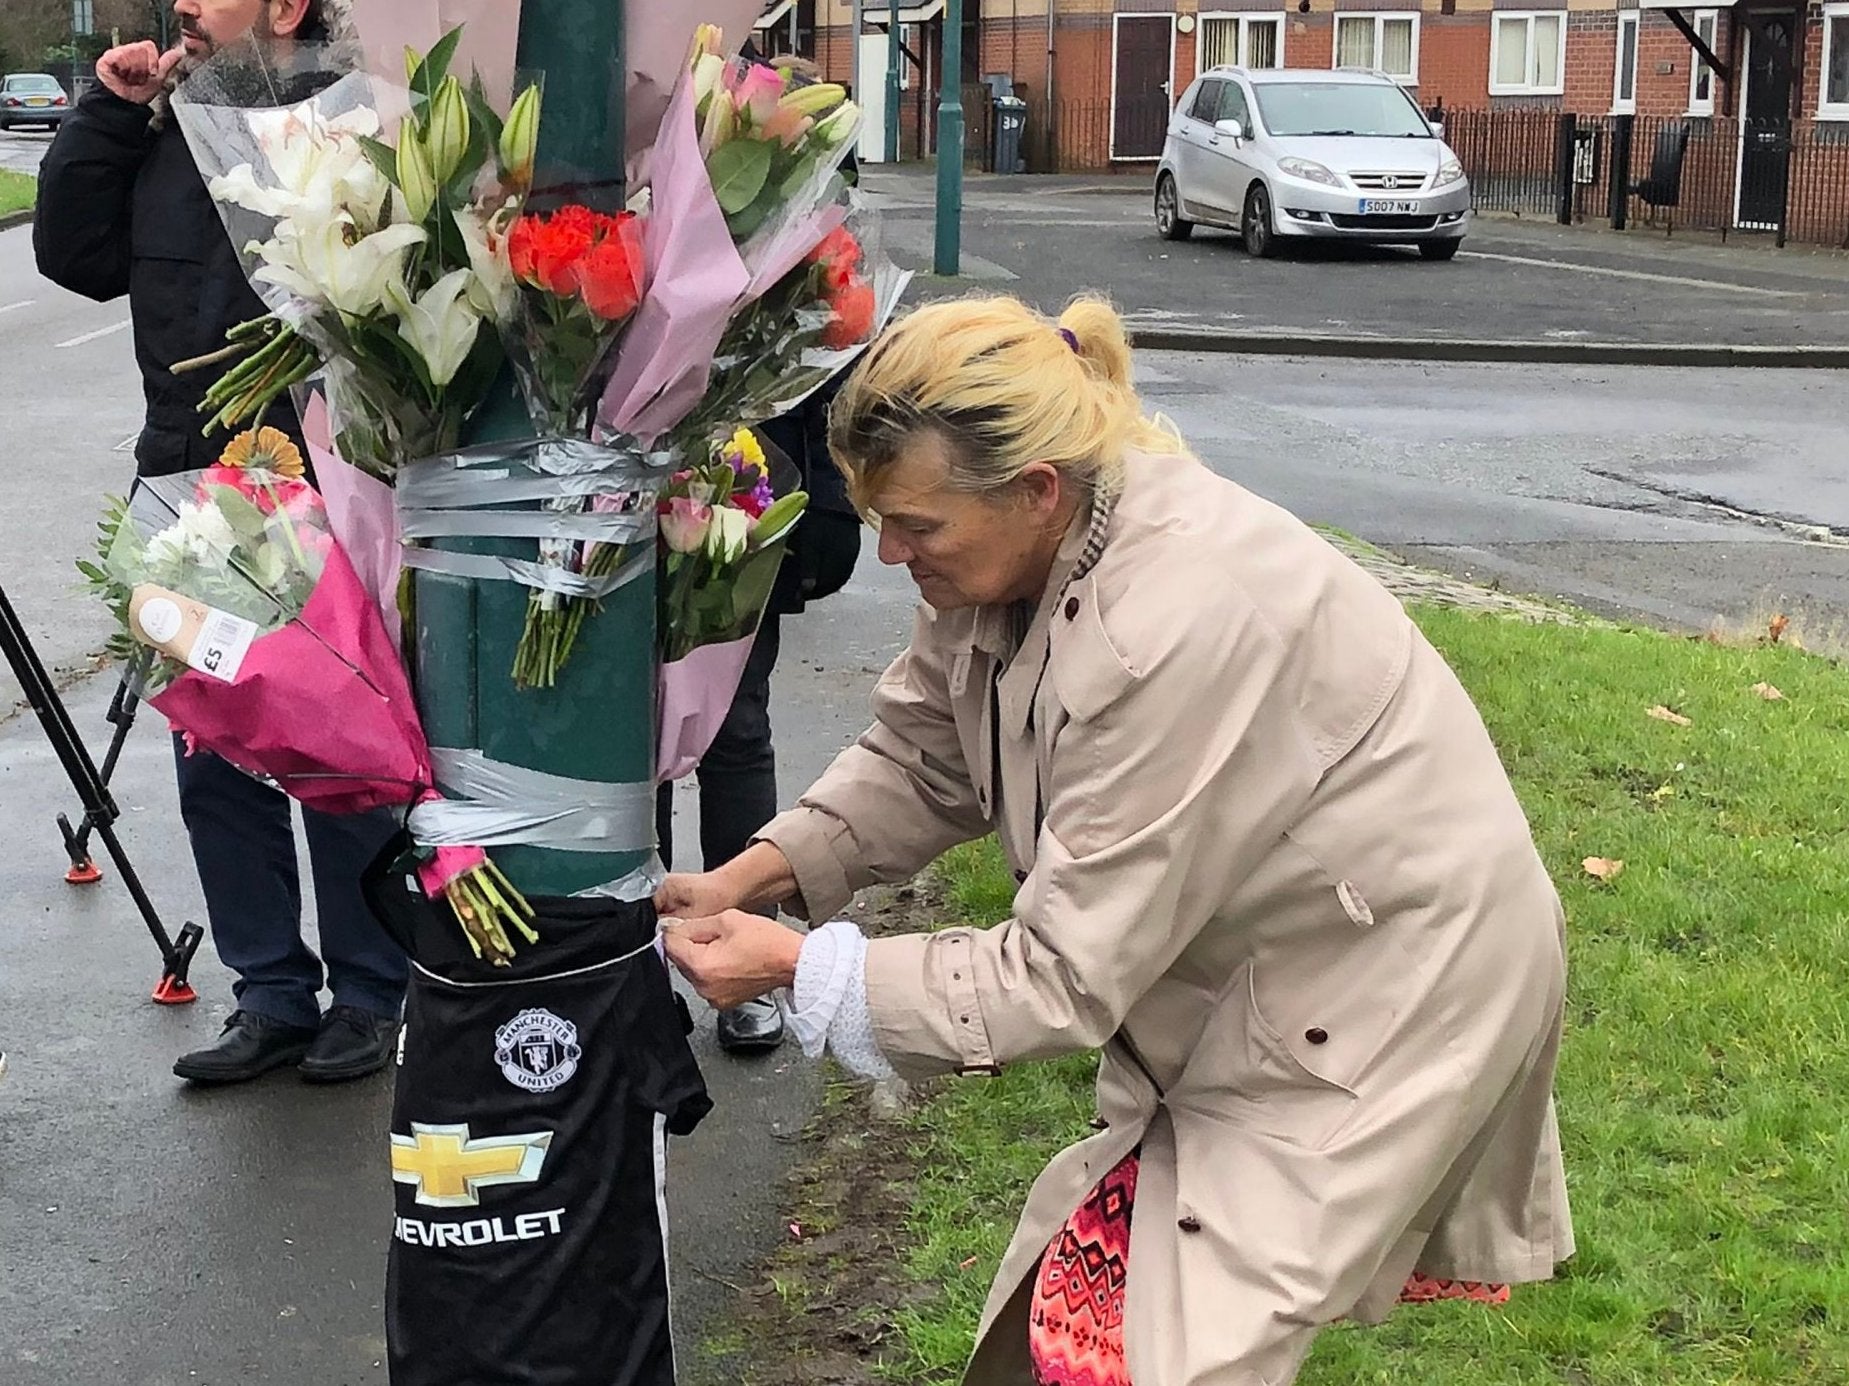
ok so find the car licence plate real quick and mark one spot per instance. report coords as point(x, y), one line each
point(38, 100)
point(1376, 207)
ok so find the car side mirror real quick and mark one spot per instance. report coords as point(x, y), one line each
point(1230, 127)
point(1438, 129)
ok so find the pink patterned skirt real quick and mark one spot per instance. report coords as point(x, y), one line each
point(1075, 1327)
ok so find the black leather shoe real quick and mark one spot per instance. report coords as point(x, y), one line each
point(753, 1028)
point(352, 1044)
point(250, 1046)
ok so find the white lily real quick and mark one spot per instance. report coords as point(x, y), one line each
point(494, 293)
point(320, 169)
point(708, 70)
point(441, 325)
point(318, 262)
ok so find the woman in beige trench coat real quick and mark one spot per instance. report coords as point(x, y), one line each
point(1268, 863)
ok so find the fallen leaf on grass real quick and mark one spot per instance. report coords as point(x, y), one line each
point(1663, 714)
point(1768, 692)
point(970, 1264)
point(1662, 792)
point(1603, 868)
point(1776, 627)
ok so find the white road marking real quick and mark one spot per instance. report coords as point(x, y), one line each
point(1718, 285)
point(23, 303)
point(110, 331)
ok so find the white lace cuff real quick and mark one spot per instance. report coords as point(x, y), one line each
point(827, 1008)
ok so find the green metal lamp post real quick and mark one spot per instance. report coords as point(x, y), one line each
point(949, 248)
point(893, 59)
point(598, 723)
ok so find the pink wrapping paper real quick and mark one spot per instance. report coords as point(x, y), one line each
point(658, 41)
point(274, 719)
point(694, 695)
point(361, 516)
point(695, 279)
point(490, 36)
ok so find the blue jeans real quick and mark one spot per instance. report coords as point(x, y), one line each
point(243, 839)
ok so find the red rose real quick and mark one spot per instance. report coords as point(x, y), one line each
point(838, 255)
point(545, 252)
point(609, 278)
point(855, 308)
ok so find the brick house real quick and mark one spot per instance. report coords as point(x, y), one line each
point(1765, 109)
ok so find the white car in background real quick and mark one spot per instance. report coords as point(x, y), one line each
point(1282, 153)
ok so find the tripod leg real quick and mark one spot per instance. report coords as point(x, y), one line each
point(122, 710)
point(173, 989)
point(100, 811)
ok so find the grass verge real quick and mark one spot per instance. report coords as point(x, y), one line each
point(1702, 1082)
point(18, 192)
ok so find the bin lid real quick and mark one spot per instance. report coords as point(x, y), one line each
point(1013, 103)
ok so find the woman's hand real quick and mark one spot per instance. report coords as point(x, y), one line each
point(759, 876)
point(689, 896)
point(734, 957)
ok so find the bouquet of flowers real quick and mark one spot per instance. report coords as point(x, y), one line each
point(581, 275)
point(723, 537)
point(765, 134)
point(386, 266)
point(254, 626)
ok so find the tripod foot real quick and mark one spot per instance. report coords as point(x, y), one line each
point(83, 873)
point(173, 989)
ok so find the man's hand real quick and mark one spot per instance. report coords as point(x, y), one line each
point(137, 71)
point(733, 957)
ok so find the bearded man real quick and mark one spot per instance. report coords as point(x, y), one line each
point(122, 210)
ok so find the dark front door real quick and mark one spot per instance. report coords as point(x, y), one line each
point(1140, 85)
point(1765, 130)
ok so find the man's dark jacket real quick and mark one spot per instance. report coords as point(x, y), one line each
point(122, 209)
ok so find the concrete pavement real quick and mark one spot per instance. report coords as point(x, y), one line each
point(1046, 238)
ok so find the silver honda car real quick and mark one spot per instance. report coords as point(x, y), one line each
point(1277, 153)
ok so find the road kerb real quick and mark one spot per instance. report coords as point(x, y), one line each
point(1706, 355)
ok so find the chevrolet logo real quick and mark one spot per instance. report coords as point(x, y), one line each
point(450, 1170)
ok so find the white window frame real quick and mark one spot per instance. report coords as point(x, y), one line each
point(1620, 103)
point(1526, 88)
point(1380, 18)
point(1835, 17)
point(1246, 19)
point(1697, 104)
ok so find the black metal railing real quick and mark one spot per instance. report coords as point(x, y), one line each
point(1719, 175)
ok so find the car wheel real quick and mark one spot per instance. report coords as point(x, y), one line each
point(1261, 241)
point(1170, 224)
point(1440, 250)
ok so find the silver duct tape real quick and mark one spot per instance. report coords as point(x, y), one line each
point(501, 805)
point(640, 884)
point(541, 577)
point(587, 525)
point(552, 469)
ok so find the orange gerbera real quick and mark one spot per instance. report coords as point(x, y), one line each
point(267, 449)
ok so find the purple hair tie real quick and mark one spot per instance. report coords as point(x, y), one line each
point(1072, 338)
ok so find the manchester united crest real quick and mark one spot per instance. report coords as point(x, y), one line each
point(537, 1051)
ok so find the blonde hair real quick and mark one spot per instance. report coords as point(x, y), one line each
point(1003, 387)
